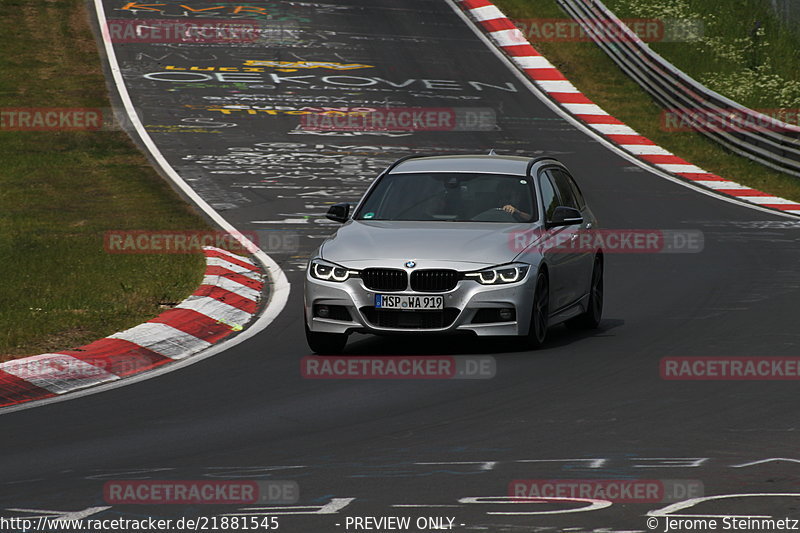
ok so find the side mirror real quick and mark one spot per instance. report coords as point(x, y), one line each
point(565, 216)
point(339, 212)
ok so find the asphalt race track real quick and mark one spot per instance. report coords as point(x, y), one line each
point(587, 406)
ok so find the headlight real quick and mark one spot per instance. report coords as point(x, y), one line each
point(499, 275)
point(328, 271)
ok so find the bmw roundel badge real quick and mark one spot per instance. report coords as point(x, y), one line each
point(410, 264)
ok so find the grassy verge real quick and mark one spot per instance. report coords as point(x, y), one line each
point(743, 52)
point(586, 66)
point(60, 191)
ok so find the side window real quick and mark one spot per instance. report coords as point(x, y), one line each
point(549, 196)
point(565, 189)
point(577, 192)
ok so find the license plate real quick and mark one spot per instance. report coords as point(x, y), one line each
point(408, 301)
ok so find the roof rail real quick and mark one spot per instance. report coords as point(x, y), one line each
point(535, 160)
point(404, 159)
point(532, 162)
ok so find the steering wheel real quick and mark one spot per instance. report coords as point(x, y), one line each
point(495, 214)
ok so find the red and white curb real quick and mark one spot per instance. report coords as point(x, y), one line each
point(227, 299)
point(505, 35)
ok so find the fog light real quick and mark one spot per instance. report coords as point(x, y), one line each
point(506, 314)
point(323, 311)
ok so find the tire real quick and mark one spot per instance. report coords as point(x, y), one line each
point(594, 313)
point(325, 343)
point(540, 314)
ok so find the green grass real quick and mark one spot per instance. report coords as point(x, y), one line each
point(61, 191)
point(744, 52)
point(597, 76)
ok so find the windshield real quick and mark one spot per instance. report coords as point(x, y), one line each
point(450, 197)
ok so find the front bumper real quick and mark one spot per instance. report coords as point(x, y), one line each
point(462, 313)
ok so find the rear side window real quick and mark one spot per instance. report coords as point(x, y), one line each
point(577, 192)
point(549, 196)
point(570, 193)
point(561, 181)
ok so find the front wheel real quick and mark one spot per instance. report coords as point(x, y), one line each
point(594, 312)
point(325, 343)
point(540, 315)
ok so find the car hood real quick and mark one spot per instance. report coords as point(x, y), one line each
point(359, 244)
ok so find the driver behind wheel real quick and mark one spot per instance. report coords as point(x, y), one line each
point(511, 194)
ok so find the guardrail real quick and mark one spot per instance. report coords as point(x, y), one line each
point(777, 145)
point(787, 10)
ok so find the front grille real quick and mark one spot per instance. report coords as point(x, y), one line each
point(384, 279)
point(392, 318)
point(434, 280)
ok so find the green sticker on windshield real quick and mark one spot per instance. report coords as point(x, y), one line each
point(369, 215)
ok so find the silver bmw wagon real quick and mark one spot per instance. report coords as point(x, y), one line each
point(478, 244)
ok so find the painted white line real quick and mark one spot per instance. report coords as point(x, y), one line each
point(163, 339)
point(284, 221)
point(484, 465)
point(278, 291)
point(768, 460)
point(721, 184)
point(768, 200)
point(424, 505)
